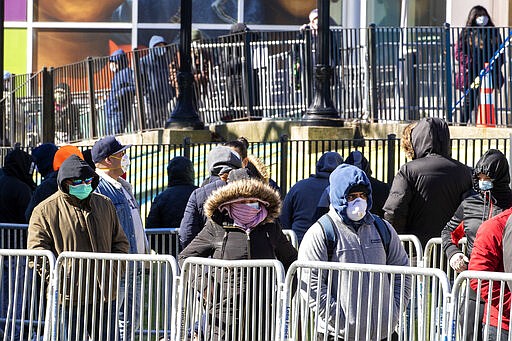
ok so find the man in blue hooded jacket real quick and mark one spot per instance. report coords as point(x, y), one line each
point(119, 104)
point(358, 241)
point(300, 203)
point(154, 74)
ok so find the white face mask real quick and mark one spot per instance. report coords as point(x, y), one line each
point(482, 20)
point(125, 163)
point(255, 205)
point(113, 67)
point(356, 209)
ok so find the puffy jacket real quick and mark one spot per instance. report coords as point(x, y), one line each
point(480, 206)
point(62, 222)
point(488, 255)
point(169, 206)
point(427, 190)
point(46, 188)
point(194, 219)
point(356, 244)
point(300, 203)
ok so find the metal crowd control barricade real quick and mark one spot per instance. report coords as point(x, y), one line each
point(24, 309)
point(365, 315)
point(292, 237)
point(164, 241)
point(13, 236)
point(102, 296)
point(467, 317)
point(434, 257)
point(413, 247)
point(230, 300)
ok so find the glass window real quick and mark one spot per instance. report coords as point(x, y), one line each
point(383, 12)
point(75, 45)
point(15, 10)
point(16, 43)
point(77, 11)
point(426, 13)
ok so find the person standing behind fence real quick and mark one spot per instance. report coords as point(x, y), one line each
point(488, 255)
point(427, 190)
point(476, 45)
point(119, 103)
point(221, 161)
point(300, 203)
point(67, 115)
point(154, 75)
point(77, 219)
point(241, 225)
point(169, 206)
point(491, 194)
point(112, 162)
point(358, 240)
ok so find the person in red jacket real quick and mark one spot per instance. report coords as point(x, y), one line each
point(487, 255)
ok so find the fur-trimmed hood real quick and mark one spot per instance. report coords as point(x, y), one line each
point(256, 165)
point(244, 189)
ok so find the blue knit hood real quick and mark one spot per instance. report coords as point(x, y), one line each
point(327, 163)
point(342, 179)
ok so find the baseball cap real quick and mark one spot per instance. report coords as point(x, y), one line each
point(105, 147)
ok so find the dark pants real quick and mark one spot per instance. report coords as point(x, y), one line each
point(493, 334)
point(470, 320)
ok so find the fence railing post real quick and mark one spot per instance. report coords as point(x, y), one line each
point(249, 86)
point(309, 59)
point(48, 112)
point(138, 90)
point(372, 71)
point(93, 119)
point(186, 147)
point(448, 68)
point(283, 167)
point(391, 157)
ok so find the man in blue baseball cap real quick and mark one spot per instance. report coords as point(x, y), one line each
point(112, 161)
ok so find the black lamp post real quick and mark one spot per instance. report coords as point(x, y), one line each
point(322, 111)
point(184, 115)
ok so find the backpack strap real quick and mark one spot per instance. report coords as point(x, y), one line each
point(384, 233)
point(331, 239)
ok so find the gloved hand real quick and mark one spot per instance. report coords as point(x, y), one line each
point(459, 262)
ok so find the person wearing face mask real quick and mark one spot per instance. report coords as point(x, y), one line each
point(75, 218)
point(476, 45)
point(241, 225)
point(154, 75)
point(112, 162)
point(119, 103)
point(358, 241)
point(490, 196)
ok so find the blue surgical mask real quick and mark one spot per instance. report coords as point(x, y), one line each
point(485, 185)
point(81, 191)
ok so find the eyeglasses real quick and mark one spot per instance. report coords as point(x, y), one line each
point(355, 195)
point(119, 157)
point(77, 182)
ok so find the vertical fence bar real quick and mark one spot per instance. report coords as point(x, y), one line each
point(283, 167)
point(186, 147)
point(391, 157)
point(448, 70)
point(372, 71)
point(48, 119)
point(138, 90)
point(92, 107)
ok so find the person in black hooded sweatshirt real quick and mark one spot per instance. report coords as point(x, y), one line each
point(168, 207)
point(490, 196)
point(427, 190)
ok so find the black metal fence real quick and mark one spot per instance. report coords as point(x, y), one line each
point(288, 160)
point(380, 74)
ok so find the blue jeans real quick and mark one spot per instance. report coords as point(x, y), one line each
point(129, 296)
point(493, 334)
point(107, 324)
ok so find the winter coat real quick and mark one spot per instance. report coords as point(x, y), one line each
point(194, 218)
point(355, 244)
point(169, 206)
point(46, 188)
point(475, 47)
point(62, 222)
point(220, 239)
point(427, 190)
point(488, 255)
point(300, 203)
point(480, 206)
